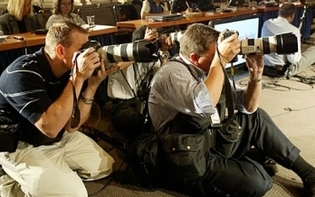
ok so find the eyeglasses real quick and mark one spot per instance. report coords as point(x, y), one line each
point(66, 4)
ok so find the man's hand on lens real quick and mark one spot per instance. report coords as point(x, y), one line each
point(151, 34)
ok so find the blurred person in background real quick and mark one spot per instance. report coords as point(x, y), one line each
point(19, 18)
point(63, 10)
point(277, 65)
point(153, 7)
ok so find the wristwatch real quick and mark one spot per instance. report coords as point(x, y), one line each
point(85, 100)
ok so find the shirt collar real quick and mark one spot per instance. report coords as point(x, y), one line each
point(196, 70)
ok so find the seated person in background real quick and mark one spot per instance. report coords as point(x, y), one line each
point(36, 9)
point(153, 7)
point(82, 2)
point(181, 6)
point(134, 77)
point(278, 65)
point(19, 19)
point(187, 94)
point(42, 90)
point(63, 11)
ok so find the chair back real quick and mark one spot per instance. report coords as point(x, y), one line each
point(138, 9)
point(125, 12)
point(103, 15)
point(78, 7)
point(42, 18)
point(47, 5)
point(108, 4)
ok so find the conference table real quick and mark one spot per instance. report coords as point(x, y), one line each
point(208, 16)
point(265, 13)
point(31, 39)
point(12, 48)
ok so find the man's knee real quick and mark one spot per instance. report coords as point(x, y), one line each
point(258, 185)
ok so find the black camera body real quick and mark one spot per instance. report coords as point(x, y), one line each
point(96, 45)
point(227, 33)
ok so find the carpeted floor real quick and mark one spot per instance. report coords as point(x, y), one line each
point(291, 105)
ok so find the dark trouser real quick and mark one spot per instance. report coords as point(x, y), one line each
point(240, 175)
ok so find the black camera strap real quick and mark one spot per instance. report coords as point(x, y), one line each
point(137, 75)
point(75, 115)
point(230, 105)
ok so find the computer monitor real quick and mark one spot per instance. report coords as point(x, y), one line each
point(247, 26)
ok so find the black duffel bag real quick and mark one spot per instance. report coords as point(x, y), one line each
point(10, 133)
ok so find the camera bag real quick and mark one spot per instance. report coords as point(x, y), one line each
point(9, 132)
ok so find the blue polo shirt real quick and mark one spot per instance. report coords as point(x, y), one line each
point(27, 88)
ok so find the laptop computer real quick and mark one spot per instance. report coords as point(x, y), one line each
point(164, 17)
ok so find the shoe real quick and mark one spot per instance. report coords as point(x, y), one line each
point(288, 72)
point(269, 164)
point(271, 167)
point(271, 71)
point(309, 187)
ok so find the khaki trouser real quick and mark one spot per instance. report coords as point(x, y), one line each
point(54, 170)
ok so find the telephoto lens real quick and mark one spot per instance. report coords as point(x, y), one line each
point(280, 44)
point(139, 51)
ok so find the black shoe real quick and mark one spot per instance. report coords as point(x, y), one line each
point(288, 73)
point(269, 164)
point(271, 71)
point(309, 187)
point(271, 167)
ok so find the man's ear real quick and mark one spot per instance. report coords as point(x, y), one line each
point(60, 51)
point(194, 57)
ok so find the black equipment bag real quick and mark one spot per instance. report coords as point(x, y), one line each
point(143, 158)
point(10, 133)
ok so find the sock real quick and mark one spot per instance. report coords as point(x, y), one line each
point(302, 168)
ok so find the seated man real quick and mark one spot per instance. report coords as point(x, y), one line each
point(50, 94)
point(189, 91)
point(127, 86)
point(279, 65)
point(153, 7)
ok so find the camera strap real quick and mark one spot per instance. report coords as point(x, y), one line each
point(75, 115)
point(230, 105)
point(138, 78)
